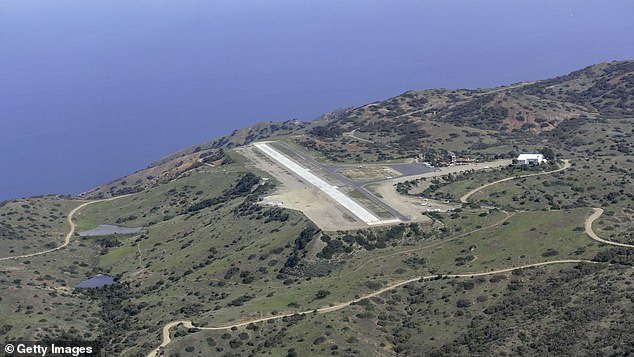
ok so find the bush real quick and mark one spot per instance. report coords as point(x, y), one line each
point(321, 294)
point(550, 253)
point(463, 303)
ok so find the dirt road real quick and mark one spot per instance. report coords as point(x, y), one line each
point(351, 134)
point(188, 324)
point(464, 198)
point(411, 206)
point(590, 232)
point(588, 228)
point(432, 245)
point(70, 233)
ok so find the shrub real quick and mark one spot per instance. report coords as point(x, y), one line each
point(463, 303)
point(550, 253)
point(321, 294)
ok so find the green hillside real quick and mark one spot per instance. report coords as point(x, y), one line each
point(212, 254)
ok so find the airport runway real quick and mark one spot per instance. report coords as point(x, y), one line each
point(357, 185)
point(332, 191)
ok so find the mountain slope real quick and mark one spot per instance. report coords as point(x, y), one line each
point(211, 253)
point(478, 123)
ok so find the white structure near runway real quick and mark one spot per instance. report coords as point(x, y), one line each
point(332, 191)
point(525, 159)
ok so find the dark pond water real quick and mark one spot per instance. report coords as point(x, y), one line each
point(96, 281)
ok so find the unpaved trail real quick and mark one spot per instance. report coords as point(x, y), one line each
point(351, 134)
point(465, 197)
point(188, 324)
point(70, 233)
point(590, 232)
point(432, 245)
point(411, 206)
point(166, 335)
point(588, 228)
point(201, 161)
point(478, 94)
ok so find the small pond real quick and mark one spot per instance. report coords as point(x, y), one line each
point(106, 229)
point(96, 281)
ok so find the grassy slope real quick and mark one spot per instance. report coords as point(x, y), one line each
point(542, 311)
point(179, 267)
point(36, 298)
point(33, 224)
point(172, 265)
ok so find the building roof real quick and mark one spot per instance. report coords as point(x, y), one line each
point(530, 157)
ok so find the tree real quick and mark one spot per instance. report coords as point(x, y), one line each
point(321, 294)
point(548, 153)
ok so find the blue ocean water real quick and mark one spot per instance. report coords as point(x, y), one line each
point(92, 90)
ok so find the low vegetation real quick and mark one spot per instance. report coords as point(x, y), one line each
point(212, 253)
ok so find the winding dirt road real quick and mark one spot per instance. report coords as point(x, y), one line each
point(588, 222)
point(70, 233)
point(166, 339)
point(188, 324)
point(464, 199)
point(590, 232)
point(432, 245)
point(351, 134)
point(588, 229)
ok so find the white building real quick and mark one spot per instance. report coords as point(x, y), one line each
point(526, 159)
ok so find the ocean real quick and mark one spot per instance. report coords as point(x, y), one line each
point(93, 90)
